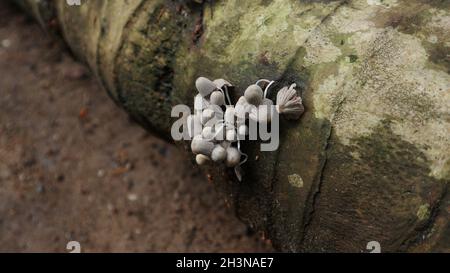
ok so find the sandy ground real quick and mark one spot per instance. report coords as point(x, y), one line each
point(74, 167)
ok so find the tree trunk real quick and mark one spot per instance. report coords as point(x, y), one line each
point(370, 158)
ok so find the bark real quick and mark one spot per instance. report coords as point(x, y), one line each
point(370, 158)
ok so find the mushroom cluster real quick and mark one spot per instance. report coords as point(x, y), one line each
point(217, 126)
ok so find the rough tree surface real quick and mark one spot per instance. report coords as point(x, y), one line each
point(370, 158)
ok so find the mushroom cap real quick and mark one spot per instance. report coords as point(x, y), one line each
point(208, 133)
point(221, 83)
point(217, 98)
point(243, 130)
point(201, 146)
point(289, 103)
point(219, 154)
point(225, 144)
point(207, 114)
point(243, 108)
point(201, 159)
point(200, 103)
point(204, 86)
point(233, 157)
point(254, 94)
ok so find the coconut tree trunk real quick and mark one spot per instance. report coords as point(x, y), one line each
point(370, 158)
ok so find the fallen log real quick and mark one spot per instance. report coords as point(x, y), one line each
point(370, 158)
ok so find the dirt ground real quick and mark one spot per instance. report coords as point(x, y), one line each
point(74, 167)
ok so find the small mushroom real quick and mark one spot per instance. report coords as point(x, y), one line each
point(243, 130)
point(207, 115)
point(254, 94)
point(201, 146)
point(219, 154)
point(201, 159)
point(200, 103)
point(225, 144)
point(205, 86)
point(233, 157)
point(208, 133)
point(231, 135)
point(217, 98)
point(263, 113)
point(243, 108)
point(220, 83)
point(289, 103)
point(229, 116)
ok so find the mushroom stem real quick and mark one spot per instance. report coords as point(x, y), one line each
point(267, 87)
point(227, 95)
point(244, 154)
point(237, 168)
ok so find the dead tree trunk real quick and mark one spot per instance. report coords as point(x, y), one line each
point(370, 158)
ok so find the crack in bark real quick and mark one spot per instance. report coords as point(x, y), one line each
point(307, 217)
point(199, 27)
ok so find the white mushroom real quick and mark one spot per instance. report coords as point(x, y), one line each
point(243, 109)
point(201, 146)
point(200, 103)
point(205, 86)
point(219, 154)
point(225, 144)
point(231, 135)
point(289, 103)
point(220, 83)
point(263, 113)
point(243, 130)
point(229, 117)
point(207, 114)
point(254, 94)
point(208, 133)
point(217, 98)
point(233, 157)
point(201, 159)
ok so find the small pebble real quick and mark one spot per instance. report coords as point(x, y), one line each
point(132, 197)
point(100, 173)
point(6, 43)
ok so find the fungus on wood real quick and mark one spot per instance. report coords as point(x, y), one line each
point(371, 149)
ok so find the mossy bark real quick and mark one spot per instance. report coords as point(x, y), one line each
point(370, 158)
